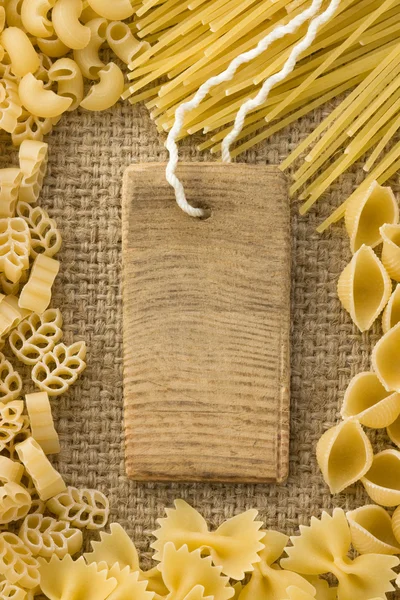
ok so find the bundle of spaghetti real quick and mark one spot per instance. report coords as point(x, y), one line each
point(194, 40)
point(368, 118)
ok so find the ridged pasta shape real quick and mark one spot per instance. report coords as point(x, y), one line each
point(10, 181)
point(83, 508)
point(38, 506)
point(364, 288)
point(396, 525)
point(122, 41)
point(386, 359)
point(322, 547)
point(10, 470)
point(322, 589)
point(67, 74)
point(115, 11)
point(30, 127)
point(14, 247)
point(10, 381)
point(17, 563)
point(10, 314)
point(107, 92)
point(41, 421)
point(393, 432)
point(40, 101)
point(69, 29)
point(59, 368)
point(129, 586)
point(8, 591)
point(113, 548)
point(45, 536)
point(52, 46)
point(14, 426)
point(371, 530)
point(344, 455)
point(391, 314)
point(36, 335)
point(268, 581)
point(33, 157)
point(36, 293)
point(391, 249)
point(367, 212)
point(88, 59)
point(67, 579)
point(34, 16)
point(382, 481)
point(234, 546)
point(15, 502)
point(155, 582)
point(10, 106)
point(48, 482)
point(45, 237)
point(367, 401)
point(187, 575)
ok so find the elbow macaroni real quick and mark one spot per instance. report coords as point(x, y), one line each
point(23, 56)
point(52, 46)
point(121, 40)
point(10, 181)
point(88, 58)
point(34, 17)
point(116, 10)
point(39, 101)
point(33, 158)
point(69, 78)
point(67, 26)
point(107, 92)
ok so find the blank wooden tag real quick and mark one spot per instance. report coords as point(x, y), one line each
point(206, 325)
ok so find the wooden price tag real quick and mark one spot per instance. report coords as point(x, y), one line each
point(206, 325)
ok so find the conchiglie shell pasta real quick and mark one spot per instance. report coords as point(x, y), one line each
point(386, 359)
point(344, 455)
point(364, 288)
point(367, 212)
point(396, 524)
point(391, 314)
point(382, 481)
point(371, 530)
point(393, 432)
point(367, 401)
point(391, 250)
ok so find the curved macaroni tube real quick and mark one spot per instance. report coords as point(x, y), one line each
point(41, 102)
point(107, 92)
point(52, 46)
point(122, 41)
point(69, 78)
point(88, 58)
point(116, 10)
point(23, 56)
point(34, 17)
point(13, 13)
point(67, 26)
point(2, 17)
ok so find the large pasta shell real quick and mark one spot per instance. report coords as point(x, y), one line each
point(396, 524)
point(391, 249)
point(391, 314)
point(367, 212)
point(364, 288)
point(382, 481)
point(367, 401)
point(386, 359)
point(393, 431)
point(371, 530)
point(344, 455)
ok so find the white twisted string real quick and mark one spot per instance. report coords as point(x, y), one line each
point(227, 75)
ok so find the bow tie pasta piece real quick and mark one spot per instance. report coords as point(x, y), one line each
point(115, 11)
point(82, 508)
point(367, 212)
point(12, 592)
point(129, 587)
point(88, 60)
point(41, 421)
point(10, 381)
point(69, 80)
point(33, 157)
point(10, 181)
point(322, 589)
point(391, 250)
point(184, 571)
point(268, 581)
point(69, 29)
point(36, 293)
point(295, 593)
point(386, 359)
point(367, 401)
point(15, 502)
point(34, 17)
point(371, 530)
point(113, 548)
point(46, 479)
point(234, 545)
point(15, 247)
point(36, 335)
point(107, 92)
point(391, 314)
point(344, 455)
point(382, 481)
point(322, 547)
point(17, 563)
point(364, 288)
point(60, 368)
point(154, 581)
point(45, 537)
point(10, 470)
point(67, 579)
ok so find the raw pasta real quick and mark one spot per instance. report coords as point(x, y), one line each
point(391, 250)
point(119, 9)
point(68, 28)
point(344, 455)
point(17, 563)
point(15, 245)
point(10, 471)
point(385, 360)
point(371, 530)
point(59, 368)
point(106, 93)
point(41, 422)
point(10, 381)
point(382, 481)
point(113, 548)
point(36, 335)
point(46, 537)
point(39, 101)
point(391, 314)
point(15, 502)
point(10, 181)
point(367, 212)
point(82, 508)
point(48, 482)
point(33, 156)
point(88, 59)
point(184, 525)
point(22, 54)
point(367, 401)
point(122, 41)
point(36, 293)
point(10, 316)
point(393, 432)
point(68, 76)
point(11, 592)
point(364, 288)
point(128, 584)
point(34, 17)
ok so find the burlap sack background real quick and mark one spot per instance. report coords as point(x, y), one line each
point(82, 191)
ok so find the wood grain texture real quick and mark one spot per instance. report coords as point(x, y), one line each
point(206, 325)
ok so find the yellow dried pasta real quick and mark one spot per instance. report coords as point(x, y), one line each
point(114, 547)
point(36, 335)
point(83, 508)
point(385, 360)
point(47, 537)
point(15, 502)
point(17, 563)
point(33, 157)
point(15, 247)
point(41, 422)
point(10, 381)
point(391, 251)
point(60, 368)
point(391, 314)
point(382, 481)
point(45, 236)
point(36, 293)
point(48, 482)
point(10, 181)
point(371, 530)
